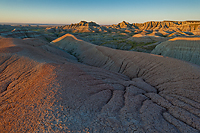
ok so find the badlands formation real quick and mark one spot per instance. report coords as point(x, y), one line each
point(25, 32)
point(142, 37)
point(187, 49)
point(70, 85)
point(165, 28)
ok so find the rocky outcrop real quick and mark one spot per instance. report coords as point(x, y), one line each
point(166, 27)
point(187, 49)
point(184, 26)
point(84, 26)
point(44, 89)
point(122, 26)
point(193, 27)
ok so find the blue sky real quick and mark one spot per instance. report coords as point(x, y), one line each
point(100, 11)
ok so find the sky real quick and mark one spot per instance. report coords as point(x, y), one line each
point(99, 11)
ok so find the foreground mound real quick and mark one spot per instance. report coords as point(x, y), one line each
point(44, 89)
point(187, 49)
point(175, 83)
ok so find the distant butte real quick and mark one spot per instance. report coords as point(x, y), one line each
point(174, 26)
point(142, 37)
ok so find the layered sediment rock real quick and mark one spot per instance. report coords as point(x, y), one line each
point(84, 26)
point(44, 89)
point(187, 49)
point(122, 25)
point(163, 90)
point(184, 27)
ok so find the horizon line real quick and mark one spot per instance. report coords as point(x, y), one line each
point(24, 23)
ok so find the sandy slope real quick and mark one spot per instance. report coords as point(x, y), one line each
point(45, 89)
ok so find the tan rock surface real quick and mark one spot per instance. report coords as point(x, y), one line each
point(183, 48)
point(174, 26)
point(44, 89)
point(147, 38)
point(83, 26)
point(169, 25)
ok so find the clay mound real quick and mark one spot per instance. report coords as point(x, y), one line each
point(45, 90)
point(174, 82)
point(147, 38)
point(187, 49)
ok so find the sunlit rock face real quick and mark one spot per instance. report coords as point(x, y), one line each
point(164, 28)
point(169, 25)
point(84, 26)
point(98, 89)
point(187, 49)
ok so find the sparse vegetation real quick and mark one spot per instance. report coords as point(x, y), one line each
point(150, 47)
point(113, 40)
point(112, 36)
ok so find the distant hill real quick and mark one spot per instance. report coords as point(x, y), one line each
point(162, 26)
point(84, 26)
point(70, 85)
point(169, 25)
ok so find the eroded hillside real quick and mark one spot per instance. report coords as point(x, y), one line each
point(98, 89)
point(142, 37)
point(187, 49)
point(132, 37)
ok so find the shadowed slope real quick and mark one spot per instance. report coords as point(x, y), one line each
point(45, 89)
point(25, 33)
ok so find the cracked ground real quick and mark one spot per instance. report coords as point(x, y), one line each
point(45, 89)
